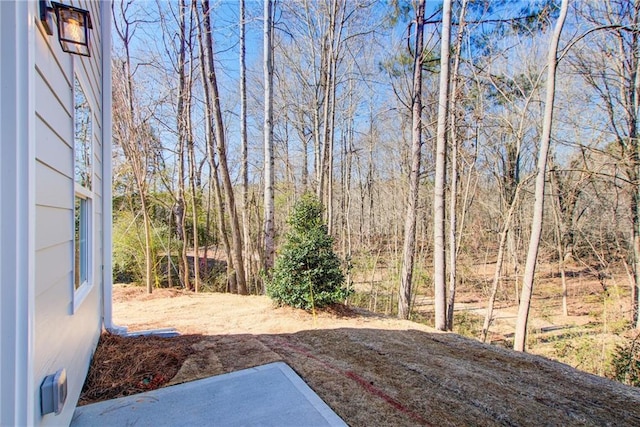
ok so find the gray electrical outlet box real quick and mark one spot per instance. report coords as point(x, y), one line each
point(53, 392)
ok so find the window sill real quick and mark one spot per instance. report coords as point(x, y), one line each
point(80, 295)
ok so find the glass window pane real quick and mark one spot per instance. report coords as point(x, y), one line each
point(82, 137)
point(81, 242)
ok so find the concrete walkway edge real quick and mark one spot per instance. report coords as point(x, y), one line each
point(267, 395)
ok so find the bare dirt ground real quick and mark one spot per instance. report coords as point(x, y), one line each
point(370, 369)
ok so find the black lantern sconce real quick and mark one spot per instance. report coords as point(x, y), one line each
point(73, 26)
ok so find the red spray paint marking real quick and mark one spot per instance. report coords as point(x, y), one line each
point(361, 381)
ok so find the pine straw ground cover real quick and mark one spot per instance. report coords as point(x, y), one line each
point(123, 366)
point(370, 370)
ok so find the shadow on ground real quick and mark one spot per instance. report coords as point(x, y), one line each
point(385, 377)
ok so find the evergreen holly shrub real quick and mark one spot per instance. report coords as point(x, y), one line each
point(307, 273)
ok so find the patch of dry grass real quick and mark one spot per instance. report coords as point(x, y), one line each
point(371, 370)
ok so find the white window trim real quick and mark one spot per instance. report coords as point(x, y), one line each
point(84, 289)
point(81, 293)
point(83, 192)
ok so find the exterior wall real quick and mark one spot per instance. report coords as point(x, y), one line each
point(46, 324)
point(17, 224)
point(67, 322)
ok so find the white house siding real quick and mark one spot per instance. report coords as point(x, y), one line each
point(65, 333)
point(17, 224)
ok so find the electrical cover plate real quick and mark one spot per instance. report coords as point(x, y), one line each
point(53, 392)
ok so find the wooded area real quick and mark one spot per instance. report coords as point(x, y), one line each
point(437, 136)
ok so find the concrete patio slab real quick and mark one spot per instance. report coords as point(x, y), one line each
point(268, 395)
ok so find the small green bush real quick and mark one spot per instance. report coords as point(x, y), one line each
point(307, 273)
point(626, 363)
point(467, 324)
point(128, 249)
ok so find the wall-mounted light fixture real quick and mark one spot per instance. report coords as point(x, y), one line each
point(73, 26)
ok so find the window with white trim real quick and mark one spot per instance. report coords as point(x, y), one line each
point(83, 171)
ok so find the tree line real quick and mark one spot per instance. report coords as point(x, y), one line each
point(433, 135)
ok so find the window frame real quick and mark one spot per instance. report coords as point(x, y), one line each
point(86, 197)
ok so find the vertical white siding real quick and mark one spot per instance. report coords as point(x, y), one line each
point(17, 226)
point(65, 337)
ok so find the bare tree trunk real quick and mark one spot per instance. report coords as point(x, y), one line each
point(536, 225)
point(330, 54)
point(317, 155)
point(244, 172)
point(488, 317)
point(371, 184)
point(269, 213)
point(439, 264)
point(635, 155)
point(222, 227)
point(134, 145)
point(453, 192)
point(192, 164)
point(305, 157)
point(207, 228)
point(330, 163)
point(346, 182)
point(325, 79)
point(196, 248)
point(181, 119)
point(335, 46)
point(194, 209)
point(148, 245)
point(635, 291)
point(236, 232)
point(612, 69)
point(559, 245)
point(214, 179)
point(453, 199)
point(409, 247)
